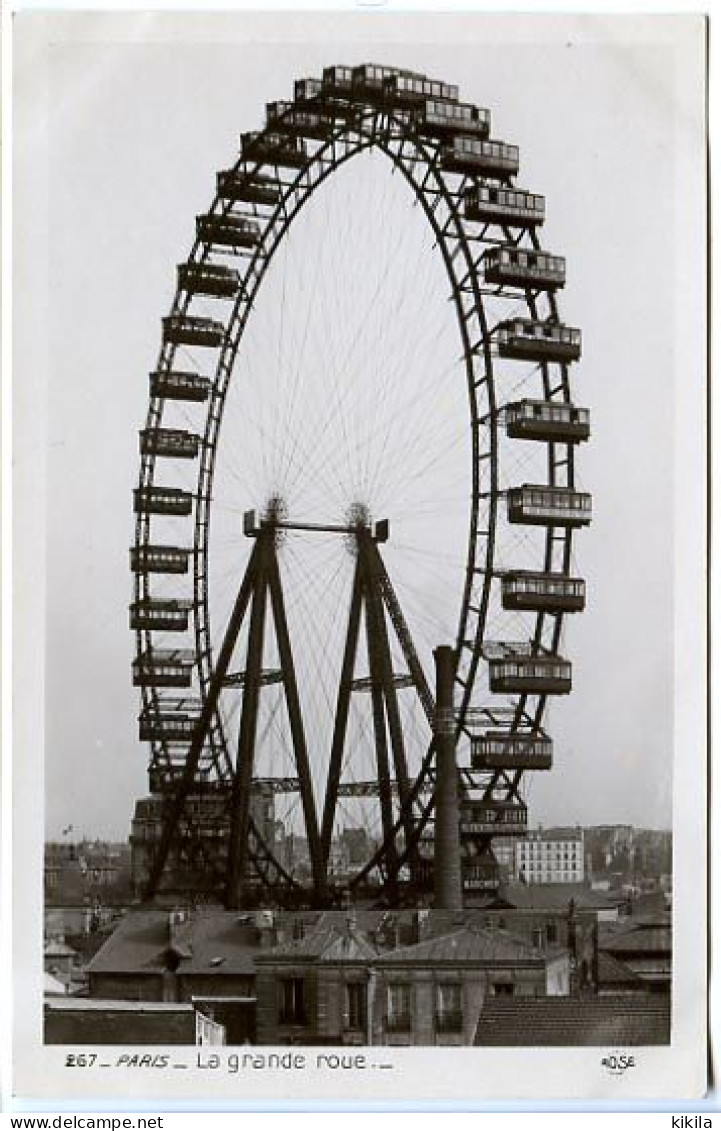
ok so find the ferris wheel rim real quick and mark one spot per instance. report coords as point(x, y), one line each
point(365, 117)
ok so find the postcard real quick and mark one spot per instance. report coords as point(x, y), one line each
point(359, 737)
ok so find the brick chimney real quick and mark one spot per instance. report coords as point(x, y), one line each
point(178, 919)
point(573, 947)
point(265, 925)
point(422, 924)
point(350, 922)
point(594, 960)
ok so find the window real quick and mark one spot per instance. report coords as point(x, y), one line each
point(503, 989)
point(449, 1008)
point(292, 1002)
point(399, 1007)
point(356, 1005)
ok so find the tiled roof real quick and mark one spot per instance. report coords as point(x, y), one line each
point(651, 969)
point(559, 832)
point(552, 896)
point(88, 945)
point(332, 940)
point(212, 942)
point(470, 945)
point(348, 948)
point(613, 972)
point(136, 945)
point(650, 904)
point(645, 918)
point(220, 936)
point(638, 940)
point(614, 1020)
point(308, 948)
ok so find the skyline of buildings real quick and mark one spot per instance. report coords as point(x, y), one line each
point(94, 829)
point(95, 875)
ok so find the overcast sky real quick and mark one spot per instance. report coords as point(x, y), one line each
point(136, 132)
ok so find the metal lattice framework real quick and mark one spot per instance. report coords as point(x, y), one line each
point(487, 234)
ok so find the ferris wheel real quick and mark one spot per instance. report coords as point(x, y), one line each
point(360, 444)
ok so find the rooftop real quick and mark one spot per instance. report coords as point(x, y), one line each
point(552, 896)
point(334, 938)
point(215, 941)
point(96, 1005)
point(613, 972)
point(471, 944)
point(615, 1020)
point(557, 833)
point(637, 939)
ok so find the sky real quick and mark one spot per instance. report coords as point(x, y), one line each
point(135, 134)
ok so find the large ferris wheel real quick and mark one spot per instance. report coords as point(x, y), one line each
point(337, 475)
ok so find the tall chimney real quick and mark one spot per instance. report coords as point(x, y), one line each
point(447, 844)
point(594, 966)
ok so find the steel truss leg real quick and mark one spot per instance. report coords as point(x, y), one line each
point(296, 726)
point(262, 577)
point(375, 616)
point(177, 804)
point(341, 716)
point(378, 570)
point(382, 758)
point(240, 795)
point(379, 728)
point(372, 596)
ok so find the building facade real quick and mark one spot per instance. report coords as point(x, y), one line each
point(336, 987)
point(370, 976)
point(553, 856)
point(203, 958)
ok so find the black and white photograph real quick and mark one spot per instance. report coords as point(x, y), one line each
point(359, 455)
